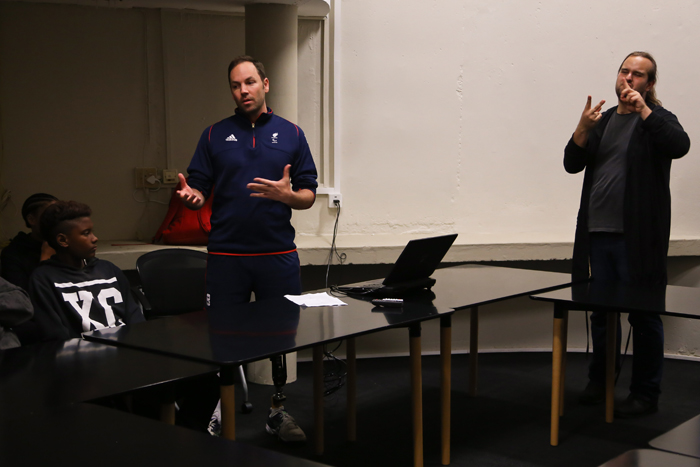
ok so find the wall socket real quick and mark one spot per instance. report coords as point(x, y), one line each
point(141, 176)
point(332, 198)
point(169, 176)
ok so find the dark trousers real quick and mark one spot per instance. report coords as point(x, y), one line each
point(232, 279)
point(608, 258)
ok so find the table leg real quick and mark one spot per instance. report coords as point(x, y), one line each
point(318, 397)
point(562, 377)
point(228, 403)
point(557, 383)
point(351, 388)
point(611, 351)
point(473, 349)
point(167, 405)
point(446, 383)
point(416, 394)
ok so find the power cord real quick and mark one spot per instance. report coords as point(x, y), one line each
point(334, 371)
point(334, 250)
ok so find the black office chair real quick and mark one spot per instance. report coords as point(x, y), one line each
point(173, 281)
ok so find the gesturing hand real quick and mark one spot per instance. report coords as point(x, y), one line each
point(277, 190)
point(589, 119)
point(631, 100)
point(192, 198)
point(590, 116)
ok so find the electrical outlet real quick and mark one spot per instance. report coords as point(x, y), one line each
point(142, 175)
point(335, 199)
point(169, 176)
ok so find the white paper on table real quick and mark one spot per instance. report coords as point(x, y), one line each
point(315, 299)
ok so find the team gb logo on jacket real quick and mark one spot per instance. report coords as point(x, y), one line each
point(274, 138)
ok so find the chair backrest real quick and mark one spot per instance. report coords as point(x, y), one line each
point(173, 280)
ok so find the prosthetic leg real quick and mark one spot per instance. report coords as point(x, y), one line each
point(279, 378)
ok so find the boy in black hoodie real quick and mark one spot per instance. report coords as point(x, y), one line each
point(74, 292)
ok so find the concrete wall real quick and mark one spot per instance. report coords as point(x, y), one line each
point(88, 94)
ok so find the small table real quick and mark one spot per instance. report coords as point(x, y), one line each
point(684, 439)
point(651, 458)
point(613, 299)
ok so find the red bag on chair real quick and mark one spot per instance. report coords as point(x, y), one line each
point(183, 226)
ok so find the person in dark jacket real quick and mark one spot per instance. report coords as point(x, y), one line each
point(24, 253)
point(74, 292)
point(624, 219)
point(15, 308)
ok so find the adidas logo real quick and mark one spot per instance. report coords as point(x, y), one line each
point(231, 138)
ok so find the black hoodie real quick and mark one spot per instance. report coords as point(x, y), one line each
point(69, 301)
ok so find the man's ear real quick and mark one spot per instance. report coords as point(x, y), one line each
point(62, 240)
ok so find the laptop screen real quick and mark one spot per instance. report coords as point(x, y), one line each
point(419, 259)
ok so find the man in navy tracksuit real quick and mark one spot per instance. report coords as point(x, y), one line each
point(261, 168)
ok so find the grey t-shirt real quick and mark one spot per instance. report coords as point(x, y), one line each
point(605, 212)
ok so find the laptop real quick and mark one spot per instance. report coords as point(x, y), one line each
point(411, 272)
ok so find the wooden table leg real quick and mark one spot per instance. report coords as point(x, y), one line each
point(167, 405)
point(318, 397)
point(473, 349)
point(446, 383)
point(228, 403)
point(611, 353)
point(416, 394)
point(167, 412)
point(351, 382)
point(557, 383)
point(564, 341)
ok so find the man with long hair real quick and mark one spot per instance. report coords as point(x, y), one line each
point(624, 219)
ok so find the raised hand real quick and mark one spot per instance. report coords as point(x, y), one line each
point(277, 190)
point(192, 198)
point(630, 99)
point(589, 119)
point(281, 190)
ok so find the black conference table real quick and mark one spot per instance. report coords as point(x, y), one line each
point(39, 378)
point(651, 458)
point(684, 439)
point(87, 433)
point(260, 330)
point(613, 299)
point(474, 286)
point(45, 421)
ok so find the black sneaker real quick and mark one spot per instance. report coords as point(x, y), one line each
point(280, 423)
point(594, 394)
point(635, 406)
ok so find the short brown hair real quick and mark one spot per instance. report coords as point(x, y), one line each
point(56, 217)
point(246, 58)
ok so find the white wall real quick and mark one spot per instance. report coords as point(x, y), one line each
point(456, 113)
